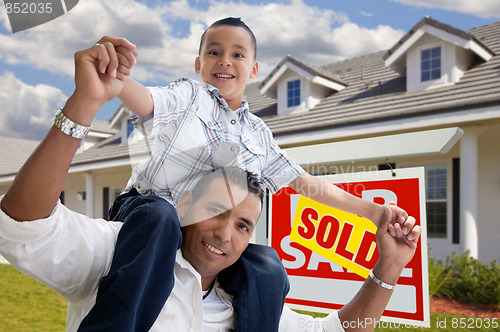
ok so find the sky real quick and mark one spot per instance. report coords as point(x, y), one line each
point(36, 65)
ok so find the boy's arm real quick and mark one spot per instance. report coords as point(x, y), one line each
point(331, 195)
point(136, 97)
point(99, 76)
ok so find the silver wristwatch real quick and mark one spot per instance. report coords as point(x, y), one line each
point(69, 127)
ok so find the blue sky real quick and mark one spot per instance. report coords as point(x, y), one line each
point(36, 65)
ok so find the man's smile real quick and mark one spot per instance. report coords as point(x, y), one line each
point(213, 249)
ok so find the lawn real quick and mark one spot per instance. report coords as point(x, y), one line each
point(28, 306)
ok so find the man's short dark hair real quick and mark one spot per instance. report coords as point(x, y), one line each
point(232, 21)
point(231, 175)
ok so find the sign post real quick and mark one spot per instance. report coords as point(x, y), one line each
point(337, 250)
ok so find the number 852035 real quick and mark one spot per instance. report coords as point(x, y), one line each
point(28, 7)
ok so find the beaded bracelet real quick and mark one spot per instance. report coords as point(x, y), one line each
point(380, 282)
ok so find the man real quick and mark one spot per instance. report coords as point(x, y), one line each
point(221, 213)
point(76, 274)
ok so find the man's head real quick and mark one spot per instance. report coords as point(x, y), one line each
point(220, 213)
point(227, 58)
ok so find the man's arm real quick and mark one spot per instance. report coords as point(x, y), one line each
point(396, 248)
point(99, 76)
point(331, 195)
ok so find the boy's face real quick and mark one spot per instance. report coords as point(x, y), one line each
point(220, 225)
point(226, 61)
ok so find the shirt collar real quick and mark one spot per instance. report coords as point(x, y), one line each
point(183, 263)
point(215, 93)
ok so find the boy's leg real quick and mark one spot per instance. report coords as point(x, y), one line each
point(141, 277)
point(259, 284)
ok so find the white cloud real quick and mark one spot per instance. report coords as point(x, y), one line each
point(309, 33)
point(51, 45)
point(26, 111)
point(365, 13)
point(481, 8)
point(313, 35)
point(291, 27)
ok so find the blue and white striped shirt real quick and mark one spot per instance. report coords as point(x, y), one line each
point(195, 132)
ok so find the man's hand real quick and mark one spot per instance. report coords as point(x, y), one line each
point(397, 238)
point(100, 72)
point(99, 75)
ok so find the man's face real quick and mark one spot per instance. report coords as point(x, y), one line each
point(220, 225)
point(226, 61)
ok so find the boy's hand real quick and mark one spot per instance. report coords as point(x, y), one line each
point(122, 56)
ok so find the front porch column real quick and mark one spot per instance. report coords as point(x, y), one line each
point(468, 194)
point(89, 200)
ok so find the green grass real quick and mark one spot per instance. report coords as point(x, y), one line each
point(28, 306)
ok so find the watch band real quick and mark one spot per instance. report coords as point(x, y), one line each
point(69, 127)
point(380, 282)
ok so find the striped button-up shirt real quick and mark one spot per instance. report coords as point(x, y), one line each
point(195, 132)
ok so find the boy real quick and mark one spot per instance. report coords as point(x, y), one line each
point(199, 127)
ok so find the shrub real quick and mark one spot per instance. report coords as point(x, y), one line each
point(469, 280)
point(439, 274)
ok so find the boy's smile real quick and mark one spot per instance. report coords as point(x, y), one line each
point(226, 61)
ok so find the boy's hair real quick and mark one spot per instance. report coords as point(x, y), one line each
point(232, 21)
point(231, 175)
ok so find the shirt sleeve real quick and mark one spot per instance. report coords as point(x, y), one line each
point(66, 251)
point(167, 101)
point(172, 100)
point(279, 170)
point(292, 321)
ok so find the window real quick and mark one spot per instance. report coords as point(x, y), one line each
point(431, 64)
point(436, 203)
point(130, 128)
point(293, 93)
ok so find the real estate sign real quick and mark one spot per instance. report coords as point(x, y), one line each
point(337, 250)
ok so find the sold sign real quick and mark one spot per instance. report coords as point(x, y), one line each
point(327, 253)
point(342, 237)
point(28, 14)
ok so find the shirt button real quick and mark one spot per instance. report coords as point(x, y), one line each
point(233, 121)
point(232, 148)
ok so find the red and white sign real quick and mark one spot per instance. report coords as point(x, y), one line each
point(318, 284)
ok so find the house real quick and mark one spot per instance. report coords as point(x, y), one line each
point(432, 100)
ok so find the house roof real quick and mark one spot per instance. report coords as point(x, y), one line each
point(315, 74)
point(440, 26)
point(376, 93)
point(111, 151)
point(103, 126)
point(115, 121)
point(17, 150)
point(396, 56)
